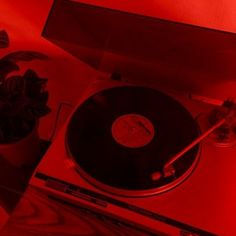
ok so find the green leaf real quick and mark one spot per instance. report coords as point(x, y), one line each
point(4, 39)
point(7, 67)
point(41, 110)
point(25, 56)
point(13, 85)
point(30, 75)
point(43, 98)
point(34, 85)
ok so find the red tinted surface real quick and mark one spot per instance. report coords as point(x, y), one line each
point(24, 20)
point(146, 49)
point(209, 13)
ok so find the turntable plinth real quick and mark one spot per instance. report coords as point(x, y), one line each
point(36, 214)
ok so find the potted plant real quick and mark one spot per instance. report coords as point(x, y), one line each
point(23, 100)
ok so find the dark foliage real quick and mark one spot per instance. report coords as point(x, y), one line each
point(23, 98)
point(4, 40)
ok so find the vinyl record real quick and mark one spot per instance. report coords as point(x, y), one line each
point(120, 136)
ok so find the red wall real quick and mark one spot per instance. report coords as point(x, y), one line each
point(217, 14)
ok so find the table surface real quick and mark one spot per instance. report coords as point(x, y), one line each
point(36, 214)
point(33, 213)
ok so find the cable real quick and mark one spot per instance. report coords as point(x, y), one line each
point(61, 104)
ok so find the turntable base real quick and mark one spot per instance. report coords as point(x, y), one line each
point(36, 214)
point(203, 204)
point(119, 136)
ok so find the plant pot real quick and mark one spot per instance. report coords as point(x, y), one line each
point(24, 151)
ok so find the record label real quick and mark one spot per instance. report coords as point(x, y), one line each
point(133, 130)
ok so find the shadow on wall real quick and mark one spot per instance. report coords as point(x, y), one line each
point(218, 14)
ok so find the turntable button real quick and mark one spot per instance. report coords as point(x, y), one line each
point(98, 202)
point(89, 198)
point(54, 184)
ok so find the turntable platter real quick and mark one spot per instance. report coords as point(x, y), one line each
point(119, 136)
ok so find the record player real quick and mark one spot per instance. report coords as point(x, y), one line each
point(109, 155)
